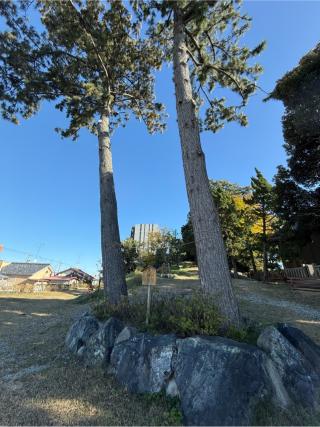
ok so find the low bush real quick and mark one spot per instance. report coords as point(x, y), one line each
point(134, 279)
point(170, 313)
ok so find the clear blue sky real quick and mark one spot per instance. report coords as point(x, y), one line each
point(49, 187)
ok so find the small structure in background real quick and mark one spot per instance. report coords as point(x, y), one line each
point(77, 274)
point(70, 278)
point(140, 233)
point(165, 271)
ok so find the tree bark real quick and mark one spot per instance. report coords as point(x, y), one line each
point(264, 247)
point(211, 254)
point(253, 261)
point(234, 266)
point(112, 257)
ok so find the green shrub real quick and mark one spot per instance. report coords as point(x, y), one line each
point(170, 313)
point(134, 279)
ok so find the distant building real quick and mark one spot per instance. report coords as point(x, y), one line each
point(25, 271)
point(140, 233)
point(77, 274)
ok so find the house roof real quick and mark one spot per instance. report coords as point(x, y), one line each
point(23, 268)
point(77, 271)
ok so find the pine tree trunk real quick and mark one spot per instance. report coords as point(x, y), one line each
point(264, 248)
point(234, 266)
point(211, 254)
point(253, 261)
point(112, 258)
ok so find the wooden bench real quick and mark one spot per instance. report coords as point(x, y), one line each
point(308, 284)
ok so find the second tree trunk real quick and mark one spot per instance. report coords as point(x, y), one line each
point(211, 254)
point(112, 258)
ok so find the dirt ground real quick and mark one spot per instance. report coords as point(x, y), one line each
point(266, 303)
point(41, 384)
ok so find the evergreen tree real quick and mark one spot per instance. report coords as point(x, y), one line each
point(263, 201)
point(89, 58)
point(201, 38)
point(299, 210)
point(299, 91)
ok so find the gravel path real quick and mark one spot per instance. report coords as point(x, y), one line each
point(299, 309)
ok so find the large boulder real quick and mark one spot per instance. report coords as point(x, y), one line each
point(80, 333)
point(297, 373)
point(143, 363)
point(98, 348)
point(309, 349)
point(220, 381)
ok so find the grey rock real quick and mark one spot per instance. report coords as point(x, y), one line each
point(80, 332)
point(99, 346)
point(143, 363)
point(220, 381)
point(309, 349)
point(297, 374)
point(126, 333)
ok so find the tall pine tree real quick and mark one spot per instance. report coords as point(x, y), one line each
point(89, 58)
point(201, 38)
point(263, 201)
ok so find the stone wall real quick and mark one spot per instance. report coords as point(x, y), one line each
point(218, 381)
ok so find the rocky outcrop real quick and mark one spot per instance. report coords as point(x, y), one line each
point(80, 333)
point(219, 381)
point(143, 363)
point(98, 348)
point(308, 348)
point(92, 341)
point(297, 373)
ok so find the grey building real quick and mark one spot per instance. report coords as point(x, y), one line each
point(140, 233)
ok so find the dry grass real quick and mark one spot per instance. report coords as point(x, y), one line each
point(41, 384)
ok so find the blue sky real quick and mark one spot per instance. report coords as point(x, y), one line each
point(49, 187)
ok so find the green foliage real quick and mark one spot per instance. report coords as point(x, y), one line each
point(262, 195)
point(217, 59)
point(189, 246)
point(298, 209)
point(174, 414)
point(88, 57)
point(134, 279)
point(268, 415)
point(299, 91)
point(130, 250)
point(170, 313)
point(164, 247)
point(237, 220)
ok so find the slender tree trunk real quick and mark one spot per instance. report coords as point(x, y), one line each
point(253, 261)
point(234, 266)
point(211, 254)
point(112, 258)
point(264, 248)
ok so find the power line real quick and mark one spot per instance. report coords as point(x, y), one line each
point(28, 254)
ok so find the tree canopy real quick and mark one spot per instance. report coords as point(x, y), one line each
point(299, 90)
point(86, 58)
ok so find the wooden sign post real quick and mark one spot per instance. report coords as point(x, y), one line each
point(149, 278)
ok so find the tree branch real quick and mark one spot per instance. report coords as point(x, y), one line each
point(87, 31)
